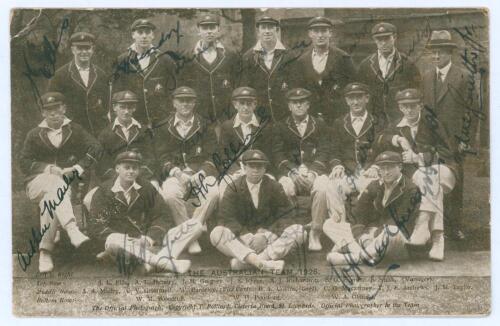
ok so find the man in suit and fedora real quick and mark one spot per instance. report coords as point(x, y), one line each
point(324, 70)
point(84, 85)
point(387, 71)
point(248, 226)
point(148, 73)
point(56, 155)
point(185, 152)
point(446, 92)
point(266, 68)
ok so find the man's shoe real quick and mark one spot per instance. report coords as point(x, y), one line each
point(237, 265)
point(421, 234)
point(314, 241)
point(45, 263)
point(194, 248)
point(76, 236)
point(336, 258)
point(173, 265)
point(437, 251)
point(272, 266)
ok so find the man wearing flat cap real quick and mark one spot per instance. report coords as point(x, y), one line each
point(185, 153)
point(84, 85)
point(56, 155)
point(123, 135)
point(147, 72)
point(266, 68)
point(353, 146)
point(387, 71)
point(124, 213)
point(249, 229)
point(249, 129)
point(447, 93)
point(385, 212)
point(428, 159)
point(212, 72)
point(323, 69)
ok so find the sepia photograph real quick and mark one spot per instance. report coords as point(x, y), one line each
point(250, 162)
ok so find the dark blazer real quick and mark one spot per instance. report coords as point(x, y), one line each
point(86, 105)
point(213, 83)
point(290, 150)
point(450, 101)
point(271, 85)
point(238, 213)
point(327, 87)
point(110, 213)
point(232, 142)
point(77, 147)
point(152, 86)
point(355, 150)
point(114, 142)
point(195, 151)
point(431, 139)
point(401, 209)
point(402, 74)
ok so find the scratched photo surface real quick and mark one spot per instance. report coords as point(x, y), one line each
point(263, 162)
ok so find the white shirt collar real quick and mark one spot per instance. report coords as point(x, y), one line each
point(117, 187)
point(133, 47)
point(177, 120)
point(392, 185)
point(251, 185)
point(363, 118)
point(81, 68)
point(44, 124)
point(199, 49)
point(305, 121)
point(444, 70)
point(238, 122)
point(405, 123)
point(134, 123)
point(278, 46)
point(390, 57)
point(315, 53)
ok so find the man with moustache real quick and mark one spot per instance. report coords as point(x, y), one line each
point(212, 72)
point(324, 70)
point(55, 156)
point(123, 135)
point(266, 68)
point(123, 213)
point(386, 72)
point(447, 93)
point(249, 214)
point(84, 85)
point(355, 137)
point(185, 159)
point(247, 130)
point(146, 72)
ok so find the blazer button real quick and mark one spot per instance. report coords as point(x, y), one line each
point(269, 88)
point(145, 90)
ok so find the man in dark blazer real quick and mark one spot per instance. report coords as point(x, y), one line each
point(247, 130)
point(185, 154)
point(249, 216)
point(387, 71)
point(386, 211)
point(447, 93)
point(266, 68)
point(123, 214)
point(56, 155)
point(353, 140)
point(428, 159)
point(84, 85)
point(324, 70)
point(211, 70)
point(147, 72)
point(123, 135)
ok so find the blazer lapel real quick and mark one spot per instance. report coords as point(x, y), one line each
point(396, 192)
point(45, 139)
point(134, 132)
point(121, 198)
point(75, 75)
point(445, 85)
point(119, 133)
point(311, 126)
point(134, 196)
point(194, 128)
point(366, 125)
point(92, 77)
point(375, 67)
point(348, 126)
point(66, 134)
point(395, 64)
point(238, 132)
point(293, 127)
point(172, 130)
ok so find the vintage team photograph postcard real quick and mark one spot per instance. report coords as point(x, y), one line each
point(250, 162)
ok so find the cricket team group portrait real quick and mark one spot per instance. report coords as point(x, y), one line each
point(162, 141)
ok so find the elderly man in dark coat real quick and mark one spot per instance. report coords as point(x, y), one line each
point(447, 92)
point(386, 72)
point(324, 70)
point(148, 73)
point(248, 226)
point(84, 85)
point(56, 155)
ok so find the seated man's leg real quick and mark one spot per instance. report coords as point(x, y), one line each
point(181, 236)
point(208, 201)
point(291, 238)
point(288, 186)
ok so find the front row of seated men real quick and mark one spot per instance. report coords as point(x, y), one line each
point(359, 201)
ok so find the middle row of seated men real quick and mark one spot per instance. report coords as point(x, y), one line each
point(182, 159)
